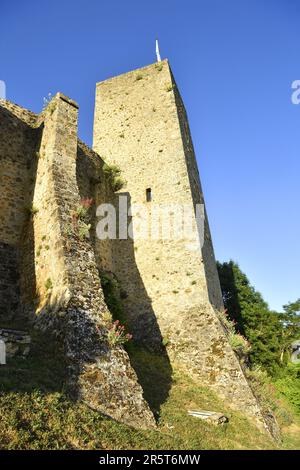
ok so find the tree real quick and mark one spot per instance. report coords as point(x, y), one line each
point(254, 320)
point(290, 321)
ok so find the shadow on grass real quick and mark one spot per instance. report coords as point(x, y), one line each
point(154, 374)
point(44, 369)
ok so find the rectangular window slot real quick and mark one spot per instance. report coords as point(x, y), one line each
point(148, 195)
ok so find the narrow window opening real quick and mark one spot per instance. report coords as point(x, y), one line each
point(148, 195)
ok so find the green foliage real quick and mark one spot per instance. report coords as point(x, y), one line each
point(238, 343)
point(83, 230)
point(48, 284)
point(112, 297)
point(254, 320)
point(272, 377)
point(37, 414)
point(118, 183)
point(81, 218)
point(290, 331)
point(268, 396)
point(169, 87)
point(113, 173)
point(31, 210)
point(117, 334)
point(81, 212)
point(288, 384)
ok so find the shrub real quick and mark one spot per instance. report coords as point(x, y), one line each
point(117, 335)
point(81, 218)
point(113, 173)
point(83, 230)
point(118, 184)
point(48, 284)
point(289, 385)
point(112, 296)
point(31, 210)
point(238, 342)
point(165, 341)
point(83, 208)
point(228, 324)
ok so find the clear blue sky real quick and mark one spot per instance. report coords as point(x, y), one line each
point(234, 62)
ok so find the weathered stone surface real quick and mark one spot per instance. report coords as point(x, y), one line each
point(16, 157)
point(73, 306)
point(50, 275)
point(141, 125)
point(9, 283)
point(17, 343)
point(212, 417)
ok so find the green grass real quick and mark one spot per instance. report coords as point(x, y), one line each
point(37, 414)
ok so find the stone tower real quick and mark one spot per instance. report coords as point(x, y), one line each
point(172, 291)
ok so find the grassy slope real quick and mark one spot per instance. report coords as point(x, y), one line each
point(36, 414)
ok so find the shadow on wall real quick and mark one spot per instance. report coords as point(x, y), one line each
point(9, 284)
point(149, 357)
point(29, 295)
point(18, 145)
point(125, 293)
point(78, 331)
point(44, 370)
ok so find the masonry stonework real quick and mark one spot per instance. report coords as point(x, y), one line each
point(60, 285)
point(172, 288)
point(50, 275)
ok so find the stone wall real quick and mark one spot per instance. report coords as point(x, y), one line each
point(48, 267)
point(17, 156)
point(140, 124)
point(17, 343)
point(137, 127)
point(70, 301)
point(9, 284)
point(93, 183)
point(49, 272)
point(17, 146)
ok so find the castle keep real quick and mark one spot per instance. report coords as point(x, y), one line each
point(51, 266)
